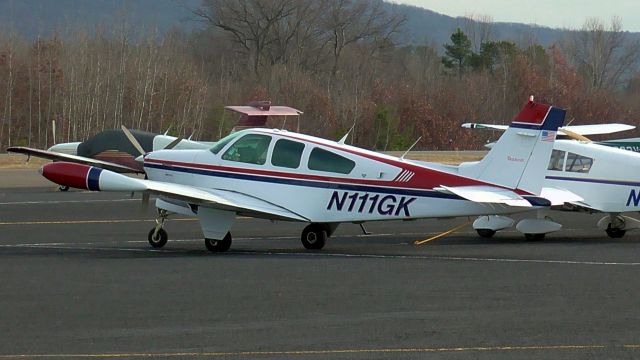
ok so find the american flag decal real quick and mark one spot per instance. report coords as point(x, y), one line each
point(548, 135)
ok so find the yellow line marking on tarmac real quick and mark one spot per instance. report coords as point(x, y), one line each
point(420, 242)
point(311, 352)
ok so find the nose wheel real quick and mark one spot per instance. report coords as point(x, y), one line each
point(158, 236)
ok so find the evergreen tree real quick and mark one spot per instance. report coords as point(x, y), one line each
point(458, 53)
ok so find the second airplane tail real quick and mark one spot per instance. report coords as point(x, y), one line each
point(519, 159)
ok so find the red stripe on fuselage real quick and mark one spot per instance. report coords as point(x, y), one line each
point(424, 178)
point(69, 174)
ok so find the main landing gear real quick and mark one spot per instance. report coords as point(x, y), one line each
point(158, 236)
point(218, 245)
point(315, 235)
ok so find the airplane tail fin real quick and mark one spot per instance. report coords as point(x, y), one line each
point(519, 159)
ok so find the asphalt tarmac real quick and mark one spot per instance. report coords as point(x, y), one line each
point(78, 280)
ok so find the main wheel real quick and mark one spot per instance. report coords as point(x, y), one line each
point(63, 188)
point(486, 233)
point(314, 236)
point(218, 245)
point(160, 238)
point(534, 237)
point(615, 233)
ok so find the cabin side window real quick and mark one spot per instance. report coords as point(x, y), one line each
point(250, 149)
point(557, 160)
point(578, 163)
point(287, 153)
point(323, 160)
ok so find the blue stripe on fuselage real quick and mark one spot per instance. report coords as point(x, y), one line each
point(93, 179)
point(308, 183)
point(595, 181)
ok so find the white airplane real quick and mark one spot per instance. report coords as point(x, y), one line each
point(282, 175)
point(606, 178)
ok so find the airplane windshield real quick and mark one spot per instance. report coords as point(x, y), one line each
point(250, 149)
point(225, 140)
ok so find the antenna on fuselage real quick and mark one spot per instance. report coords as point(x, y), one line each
point(344, 138)
point(409, 149)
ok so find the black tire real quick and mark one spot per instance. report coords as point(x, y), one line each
point(159, 240)
point(218, 246)
point(314, 236)
point(615, 233)
point(486, 233)
point(63, 188)
point(534, 237)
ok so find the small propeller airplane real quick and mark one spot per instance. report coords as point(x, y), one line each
point(281, 175)
point(606, 178)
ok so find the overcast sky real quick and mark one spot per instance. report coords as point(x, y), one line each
point(552, 13)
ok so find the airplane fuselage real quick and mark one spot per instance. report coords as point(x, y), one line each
point(372, 187)
point(607, 178)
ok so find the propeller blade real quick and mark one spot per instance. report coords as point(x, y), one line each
point(421, 242)
point(574, 135)
point(133, 140)
point(173, 144)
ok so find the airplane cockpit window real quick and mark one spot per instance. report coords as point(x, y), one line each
point(578, 163)
point(323, 160)
point(224, 141)
point(557, 160)
point(287, 153)
point(250, 149)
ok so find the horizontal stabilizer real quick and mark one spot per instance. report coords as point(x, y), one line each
point(487, 194)
point(595, 129)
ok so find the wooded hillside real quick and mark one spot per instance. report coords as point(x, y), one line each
point(342, 62)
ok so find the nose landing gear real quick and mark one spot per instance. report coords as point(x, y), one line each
point(157, 235)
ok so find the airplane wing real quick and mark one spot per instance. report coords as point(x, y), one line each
point(221, 199)
point(96, 179)
point(578, 129)
point(57, 156)
point(486, 194)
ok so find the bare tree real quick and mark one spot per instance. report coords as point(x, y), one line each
point(602, 55)
point(350, 21)
point(251, 23)
point(479, 29)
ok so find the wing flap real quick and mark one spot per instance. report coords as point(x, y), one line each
point(559, 196)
